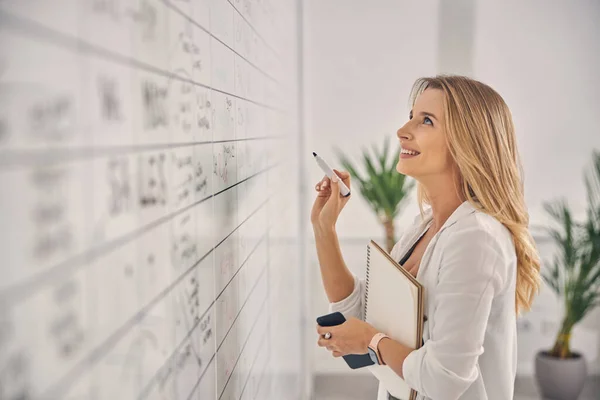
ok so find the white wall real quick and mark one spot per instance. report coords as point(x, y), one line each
point(544, 58)
point(360, 63)
point(361, 60)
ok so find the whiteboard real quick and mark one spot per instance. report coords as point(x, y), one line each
point(148, 249)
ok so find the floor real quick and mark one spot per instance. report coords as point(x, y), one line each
point(339, 387)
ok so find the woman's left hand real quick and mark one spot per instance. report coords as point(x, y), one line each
point(351, 337)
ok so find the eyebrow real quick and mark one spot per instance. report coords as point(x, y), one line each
point(424, 113)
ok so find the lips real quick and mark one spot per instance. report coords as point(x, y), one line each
point(409, 152)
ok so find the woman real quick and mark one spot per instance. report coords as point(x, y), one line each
point(471, 248)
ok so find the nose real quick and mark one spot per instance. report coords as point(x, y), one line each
point(403, 133)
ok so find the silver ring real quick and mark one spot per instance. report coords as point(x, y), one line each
point(327, 335)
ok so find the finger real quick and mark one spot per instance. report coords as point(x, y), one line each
point(322, 342)
point(323, 183)
point(322, 330)
point(342, 174)
point(337, 354)
point(345, 176)
point(332, 346)
point(335, 191)
point(324, 193)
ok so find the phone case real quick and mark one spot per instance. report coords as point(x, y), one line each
point(354, 361)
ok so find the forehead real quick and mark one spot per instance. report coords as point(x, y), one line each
point(431, 100)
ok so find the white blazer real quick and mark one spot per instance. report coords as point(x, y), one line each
point(469, 274)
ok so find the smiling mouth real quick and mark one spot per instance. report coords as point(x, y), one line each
point(404, 153)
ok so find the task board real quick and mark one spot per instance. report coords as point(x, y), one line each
point(148, 245)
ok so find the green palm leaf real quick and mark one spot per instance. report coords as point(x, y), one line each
point(384, 189)
point(574, 274)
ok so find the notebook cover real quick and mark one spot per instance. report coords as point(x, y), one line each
point(388, 282)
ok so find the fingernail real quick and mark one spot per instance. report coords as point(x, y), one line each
point(325, 184)
point(334, 178)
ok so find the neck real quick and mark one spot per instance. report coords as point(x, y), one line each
point(444, 200)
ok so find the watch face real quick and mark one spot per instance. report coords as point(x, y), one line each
point(373, 356)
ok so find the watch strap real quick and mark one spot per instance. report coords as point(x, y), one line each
point(374, 345)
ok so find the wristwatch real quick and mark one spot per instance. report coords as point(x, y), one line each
point(374, 348)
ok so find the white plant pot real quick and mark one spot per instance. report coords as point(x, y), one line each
point(560, 379)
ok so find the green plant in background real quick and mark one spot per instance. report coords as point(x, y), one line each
point(575, 272)
point(382, 187)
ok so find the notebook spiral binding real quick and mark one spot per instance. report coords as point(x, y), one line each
point(367, 280)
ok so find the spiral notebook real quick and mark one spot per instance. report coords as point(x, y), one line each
point(393, 305)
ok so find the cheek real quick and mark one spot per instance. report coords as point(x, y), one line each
point(442, 161)
point(445, 158)
point(433, 163)
point(438, 156)
point(436, 160)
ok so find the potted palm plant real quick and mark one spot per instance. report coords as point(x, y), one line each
point(574, 275)
point(382, 186)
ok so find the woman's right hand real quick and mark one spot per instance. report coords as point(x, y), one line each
point(327, 207)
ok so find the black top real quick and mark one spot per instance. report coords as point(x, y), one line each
point(410, 251)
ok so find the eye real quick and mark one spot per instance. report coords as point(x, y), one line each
point(427, 119)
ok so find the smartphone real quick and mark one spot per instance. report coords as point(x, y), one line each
point(354, 361)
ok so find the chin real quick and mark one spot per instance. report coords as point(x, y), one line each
point(403, 171)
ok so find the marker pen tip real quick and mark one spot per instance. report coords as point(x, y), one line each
point(314, 154)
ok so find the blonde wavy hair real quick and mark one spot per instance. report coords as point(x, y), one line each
point(481, 139)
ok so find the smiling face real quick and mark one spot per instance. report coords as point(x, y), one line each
point(425, 152)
